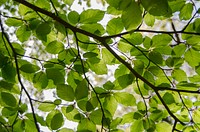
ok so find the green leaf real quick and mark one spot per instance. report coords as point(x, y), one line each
point(179, 50)
point(94, 28)
point(54, 47)
point(192, 57)
point(9, 72)
point(125, 98)
point(42, 30)
point(55, 75)
point(70, 112)
point(120, 71)
point(8, 99)
point(161, 40)
point(23, 10)
point(68, 2)
point(65, 92)
point(132, 16)
point(23, 33)
point(91, 16)
point(86, 125)
point(40, 80)
point(149, 19)
point(156, 7)
point(114, 26)
point(18, 48)
point(107, 56)
point(163, 126)
point(6, 85)
point(179, 75)
point(89, 54)
point(186, 12)
point(81, 90)
point(43, 4)
point(57, 121)
point(29, 126)
point(156, 115)
point(65, 130)
point(73, 17)
point(46, 107)
point(125, 80)
point(141, 107)
point(99, 68)
point(2, 2)
point(156, 57)
point(110, 104)
point(108, 85)
point(137, 126)
point(13, 22)
point(168, 98)
point(176, 5)
point(127, 118)
point(29, 68)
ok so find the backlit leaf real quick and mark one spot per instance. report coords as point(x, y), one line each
point(47, 107)
point(57, 121)
point(81, 90)
point(132, 16)
point(137, 126)
point(91, 16)
point(54, 47)
point(156, 7)
point(125, 98)
point(29, 68)
point(8, 99)
point(65, 92)
point(9, 72)
point(40, 80)
point(86, 125)
point(114, 26)
point(186, 11)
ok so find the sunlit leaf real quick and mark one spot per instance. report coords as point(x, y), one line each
point(137, 126)
point(9, 72)
point(132, 16)
point(47, 107)
point(8, 99)
point(125, 98)
point(42, 30)
point(168, 98)
point(81, 90)
point(186, 11)
point(55, 75)
point(65, 92)
point(114, 26)
point(40, 80)
point(54, 47)
point(86, 125)
point(156, 7)
point(57, 121)
point(29, 68)
point(91, 16)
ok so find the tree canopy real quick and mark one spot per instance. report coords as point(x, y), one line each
point(132, 65)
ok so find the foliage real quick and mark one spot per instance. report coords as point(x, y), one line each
point(132, 65)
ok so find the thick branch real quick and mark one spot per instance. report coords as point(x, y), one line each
point(103, 42)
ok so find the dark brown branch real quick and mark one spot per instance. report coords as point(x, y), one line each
point(84, 73)
point(18, 74)
point(103, 42)
point(177, 90)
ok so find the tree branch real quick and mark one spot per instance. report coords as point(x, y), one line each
point(18, 74)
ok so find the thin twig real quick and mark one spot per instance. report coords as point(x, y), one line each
point(18, 75)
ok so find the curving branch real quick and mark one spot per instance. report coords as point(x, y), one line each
point(103, 39)
point(18, 74)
